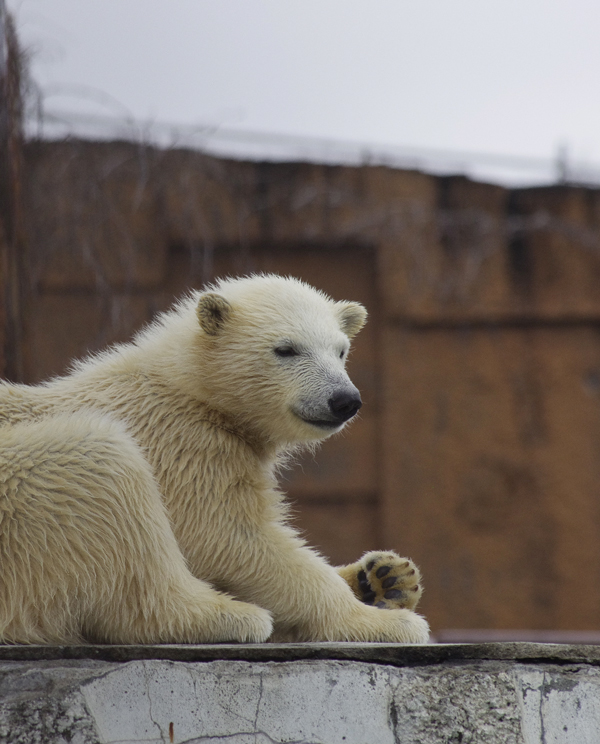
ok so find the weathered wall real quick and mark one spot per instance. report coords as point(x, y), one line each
point(320, 693)
point(478, 448)
point(11, 215)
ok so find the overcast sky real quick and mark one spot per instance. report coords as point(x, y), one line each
point(515, 77)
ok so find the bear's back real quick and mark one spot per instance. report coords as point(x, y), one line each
point(22, 403)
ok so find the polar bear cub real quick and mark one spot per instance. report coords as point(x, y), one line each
point(138, 498)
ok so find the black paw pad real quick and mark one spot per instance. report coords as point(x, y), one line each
point(393, 594)
point(363, 582)
point(390, 581)
point(368, 595)
point(382, 571)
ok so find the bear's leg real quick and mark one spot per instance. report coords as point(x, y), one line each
point(308, 599)
point(385, 580)
point(87, 551)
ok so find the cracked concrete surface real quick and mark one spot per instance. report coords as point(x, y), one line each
point(303, 701)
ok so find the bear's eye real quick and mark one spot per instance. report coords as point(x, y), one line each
point(286, 351)
point(342, 352)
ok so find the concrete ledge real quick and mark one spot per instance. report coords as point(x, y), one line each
point(326, 693)
point(396, 654)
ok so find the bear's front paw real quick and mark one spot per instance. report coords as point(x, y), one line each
point(388, 581)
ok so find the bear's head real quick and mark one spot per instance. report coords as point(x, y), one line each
point(273, 356)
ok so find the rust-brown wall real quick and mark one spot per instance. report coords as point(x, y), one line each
point(478, 448)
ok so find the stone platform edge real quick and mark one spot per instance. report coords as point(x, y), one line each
point(399, 655)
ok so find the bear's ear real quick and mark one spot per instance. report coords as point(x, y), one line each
point(213, 310)
point(352, 317)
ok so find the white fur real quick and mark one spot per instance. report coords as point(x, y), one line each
point(138, 501)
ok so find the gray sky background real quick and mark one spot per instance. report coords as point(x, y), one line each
point(518, 77)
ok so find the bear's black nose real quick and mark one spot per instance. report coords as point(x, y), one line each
point(344, 405)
